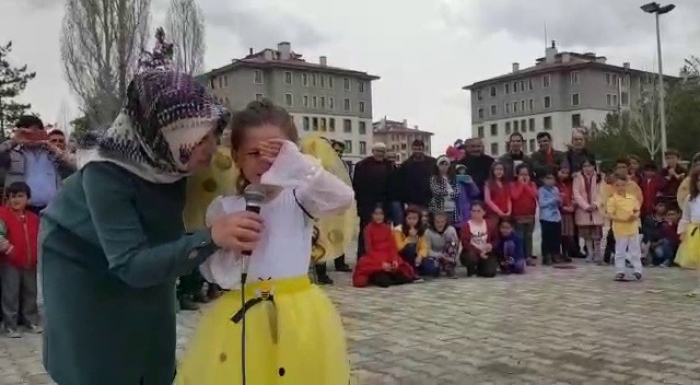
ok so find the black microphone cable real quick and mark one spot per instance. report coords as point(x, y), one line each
point(244, 277)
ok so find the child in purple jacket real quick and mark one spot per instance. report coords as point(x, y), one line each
point(469, 192)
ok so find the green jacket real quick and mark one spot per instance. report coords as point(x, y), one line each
point(112, 247)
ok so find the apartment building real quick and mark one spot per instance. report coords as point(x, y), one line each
point(398, 137)
point(562, 91)
point(323, 99)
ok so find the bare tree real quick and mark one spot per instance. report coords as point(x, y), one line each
point(185, 26)
point(645, 123)
point(101, 41)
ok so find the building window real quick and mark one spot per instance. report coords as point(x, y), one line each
point(545, 81)
point(494, 110)
point(314, 124)
point(313, 80)
point(348, 146)
point(480, 132)
point(516, 126)
point(288, 77)
point(257, 77)
point(531, 123)
point(314, 102)
point(615, 100)
point(522, 105)
point(533, 143)
point(615, 80)
point(624, 98)
point(361, 86)
point(212, 83)
point(547, 102)
point(480, 113)
point(347, 125)
point(305, 80)
point(323, 123)
point(363, 128)
point(346, 84)
point(322, 79)
point(515, 87)
point(346, 104)
point(530, 84)
point(575, 99)
point(515, 107)
point(323, 101)
point(221, 82)
point(522, 86)
point(361, 106)
point(576, 120)
point(507, 128)
point(532, 104)
point(363, 148)
point(479, 96)
point(628, 80)
point(506, 88)
point(305, 100)
point(608, 100)
point(259, 97)
point(305, 123)
point(494, 149)
point(493, 91)
point(547, 122)
point(611, 100)
point(507, 108)
point(331, 124)
point(331, 103)
point(288, 100)
point(494, 130)
point(330, 81)
point(574, 77)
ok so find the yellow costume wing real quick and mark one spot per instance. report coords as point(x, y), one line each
point(332, 234)
point(683, 191)
point(202, 188)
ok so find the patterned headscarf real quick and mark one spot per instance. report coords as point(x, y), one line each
point(165, 115)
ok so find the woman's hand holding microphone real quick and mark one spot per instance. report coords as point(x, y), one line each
point(238, 232)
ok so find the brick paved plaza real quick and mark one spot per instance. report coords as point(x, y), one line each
point(551, 326)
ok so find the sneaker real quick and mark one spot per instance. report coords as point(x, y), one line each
point(13, 333)
point(620, 277)
point(638, 276)
point(325, 280)
point(35, 329)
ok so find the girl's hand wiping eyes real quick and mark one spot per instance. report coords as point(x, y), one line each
point(270, 149)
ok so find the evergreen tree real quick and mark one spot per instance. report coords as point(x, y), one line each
point(13, 81)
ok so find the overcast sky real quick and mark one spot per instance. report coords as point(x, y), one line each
point(423, 50)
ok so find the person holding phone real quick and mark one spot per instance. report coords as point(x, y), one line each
point(29, 157)
point(469, 192)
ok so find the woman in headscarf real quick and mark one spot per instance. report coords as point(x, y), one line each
point(113, 241)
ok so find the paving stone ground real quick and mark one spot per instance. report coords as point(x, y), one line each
point(551, 326)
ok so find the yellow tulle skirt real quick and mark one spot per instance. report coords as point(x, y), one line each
point(294, 336)
point(688, 254)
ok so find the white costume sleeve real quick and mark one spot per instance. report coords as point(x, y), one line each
point(318, 191)
point(223, 267)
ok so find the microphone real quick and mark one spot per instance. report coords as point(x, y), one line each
point(254, 196)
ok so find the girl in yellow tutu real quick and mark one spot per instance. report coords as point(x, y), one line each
point(688, 254)
point(294, 334)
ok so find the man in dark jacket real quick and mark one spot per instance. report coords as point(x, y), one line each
point(478, 164)
point(515, 155)
point(371, 184)
point(414, 174)
point(578, 153)
point(546, 157)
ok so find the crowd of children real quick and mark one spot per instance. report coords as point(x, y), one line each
point(631, 213)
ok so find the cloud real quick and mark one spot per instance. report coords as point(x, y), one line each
point(592, 23)
point(257, 24)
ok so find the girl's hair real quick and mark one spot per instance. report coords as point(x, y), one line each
point(568, 179)
point(506, 220)
point(520, 167)
point(694, 191)
point(633, 158)
point(419, 226)
point(492, 178)
point(478, 203)
point(433, 216)
point(450, 170)
point(256, 114)
point(379, 206)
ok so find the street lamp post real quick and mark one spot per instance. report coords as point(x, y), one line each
point(659, 10)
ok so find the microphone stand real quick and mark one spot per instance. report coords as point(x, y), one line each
point(244, 277)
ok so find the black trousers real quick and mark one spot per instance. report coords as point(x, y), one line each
point(384, 279)
point(481, 267)
point(551, 238)
point(609, 246)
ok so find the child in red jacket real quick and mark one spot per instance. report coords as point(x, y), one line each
point(381, 265)
point(523, 195)
point(567, 207)
point(19, 229)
